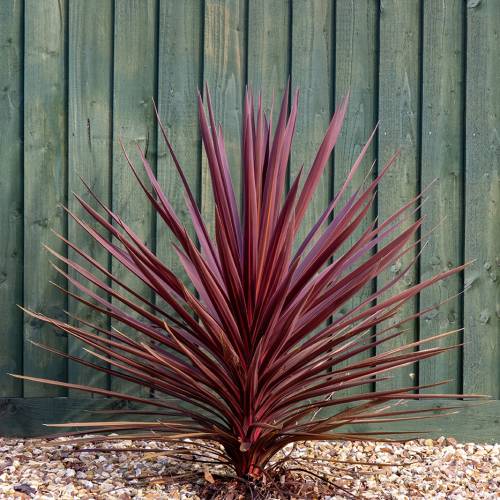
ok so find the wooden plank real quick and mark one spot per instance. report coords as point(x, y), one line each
point(311, 72)
point(482, 200)
point(355, 71)
point(312, 59)
point(134, 77)
point(178, 80)
point(268, 47)
point(398, 113)
point(11, 197)
point(477, 424)
point(89, 147)
point(442, 93)
point(224, 72)
point(24, 417)
point(45, 183)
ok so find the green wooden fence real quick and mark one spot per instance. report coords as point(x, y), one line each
point(76, 75)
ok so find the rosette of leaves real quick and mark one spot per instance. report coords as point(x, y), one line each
point(244, 356)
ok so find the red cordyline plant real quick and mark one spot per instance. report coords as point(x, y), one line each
point(246, 357)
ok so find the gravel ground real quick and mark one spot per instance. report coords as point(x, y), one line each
point(434, 469)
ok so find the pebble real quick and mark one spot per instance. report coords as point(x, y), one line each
point(70, 473)
point(87, 484)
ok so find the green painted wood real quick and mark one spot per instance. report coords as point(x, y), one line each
point(311, 72)
point(355, 71)
point(11, 197)
point(179, 77)
point(268, 47)
point(45, 183)
point(442, 98)
point(24, 417)
point(207, 40)
point(312, 60)
point(134, 77)
point(89, 147)
point(482, 200)
point(224, 59)
point(472, 423)
point(398, 103)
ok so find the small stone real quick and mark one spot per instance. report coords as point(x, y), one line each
point(87, 484)
point(70, 473)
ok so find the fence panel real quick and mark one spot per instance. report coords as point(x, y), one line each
point(77, 76)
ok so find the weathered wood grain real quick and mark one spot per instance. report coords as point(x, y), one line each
point(312, 70)
point(179, 77)
point(399, 103)
point(134, 77)
point(268, 47)
point(11, 196)
point(472, 423)
point(356, 25)
point(442, 135)
point(482, 200)
point(89, 149)
point(45, 183)
point(224, 62)
point(24, 417)
point(69, 96)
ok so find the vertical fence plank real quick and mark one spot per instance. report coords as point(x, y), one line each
point(179, 77)
point(355, 71)
point(311, 72)
point(45, 184)
point(312, 59)
point(89, 143)
point(482, 200)
point(224, 65)
point(11, 197)
point(442, 160)
point(268, 46)
point(135, 85)
point(398, 114)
